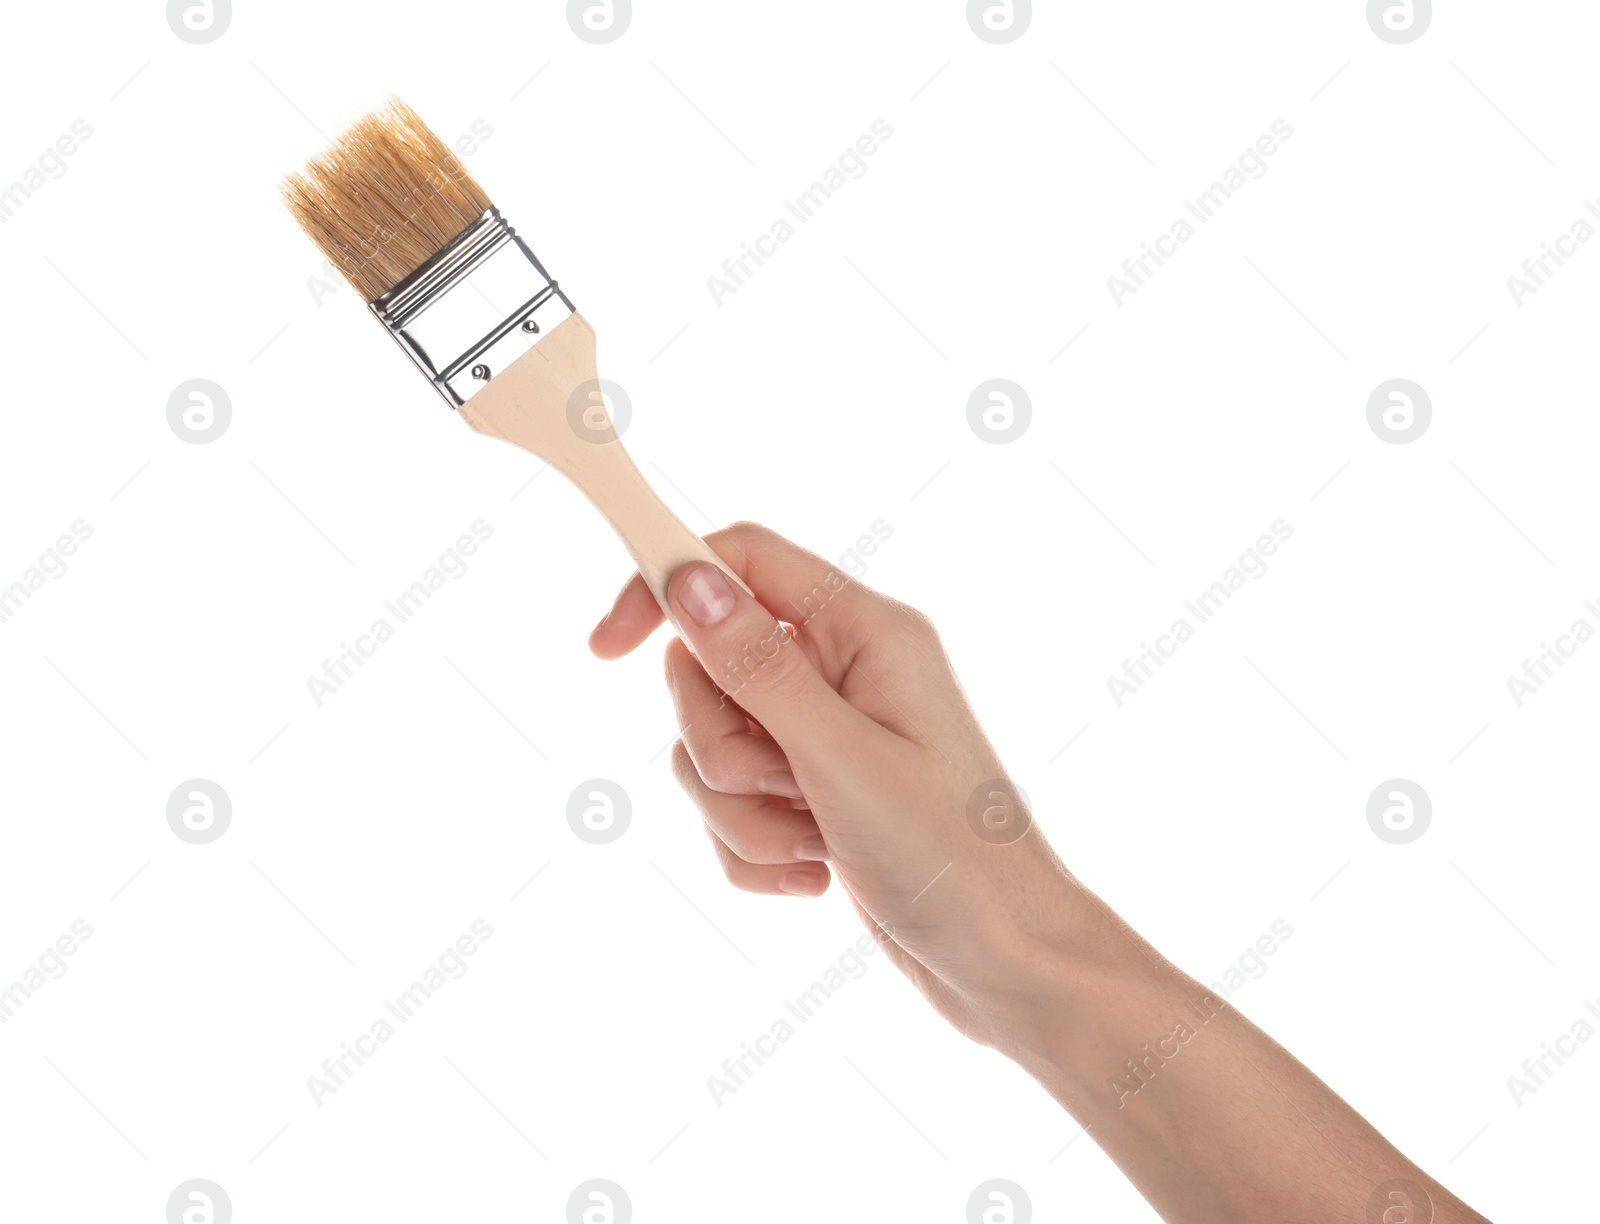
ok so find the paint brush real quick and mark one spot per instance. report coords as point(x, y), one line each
point(393, 209)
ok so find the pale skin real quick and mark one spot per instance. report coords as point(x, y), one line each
point(846, 748)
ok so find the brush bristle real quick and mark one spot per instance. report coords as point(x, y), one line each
point(384, 198)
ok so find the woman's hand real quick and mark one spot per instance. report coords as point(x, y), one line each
point(845, 739)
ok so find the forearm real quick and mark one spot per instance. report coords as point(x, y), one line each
point(1208, 1116)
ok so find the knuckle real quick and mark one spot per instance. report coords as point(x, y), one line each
point(735, 869)
point(920, 624)
point(739, 536)
point(683, 767)
point(672, 661)
point(739, 844)
point(726, 858)
point(729, 764)
point(786, 674)
point(750, 846)
point(916, 626)
point(725, 776)
point(761, 658)
point(745, 529)
point(732, 775)
point(742, 841)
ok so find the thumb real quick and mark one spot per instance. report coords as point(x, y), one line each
point(753, 659)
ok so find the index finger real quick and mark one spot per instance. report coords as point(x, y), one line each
point(633, 617)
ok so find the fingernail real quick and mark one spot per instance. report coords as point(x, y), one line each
point(802, 884)
point(813, 849)
point(706, 595)
point(781, 782)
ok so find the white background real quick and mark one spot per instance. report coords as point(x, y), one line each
point(826, 394)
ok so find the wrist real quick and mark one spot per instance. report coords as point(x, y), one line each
point(1074, 975)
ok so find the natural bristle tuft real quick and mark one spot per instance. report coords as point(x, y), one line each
point(386, 197)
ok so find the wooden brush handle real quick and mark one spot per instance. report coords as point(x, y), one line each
point(548, 403)
point(656, 538)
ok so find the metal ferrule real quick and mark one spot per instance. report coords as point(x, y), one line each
point(473, 309)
